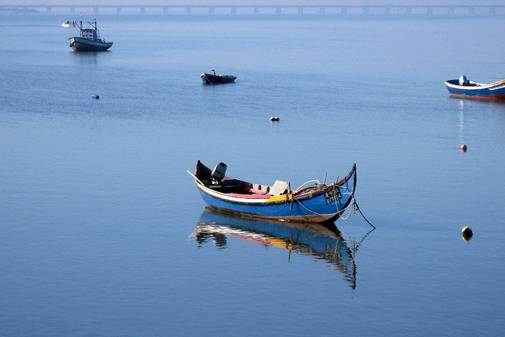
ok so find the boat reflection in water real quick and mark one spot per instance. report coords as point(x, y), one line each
point(322, 242)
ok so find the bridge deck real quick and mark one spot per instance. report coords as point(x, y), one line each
point(347, 10)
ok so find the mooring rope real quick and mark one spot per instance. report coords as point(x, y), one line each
point(317, 182)
point(353, 203)
point(344, 218)
point(356, 206)
point(314, 212)
point(308, 209)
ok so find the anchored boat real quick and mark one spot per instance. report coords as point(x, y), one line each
point(213, 78)
point(89, 39)
point(312, 202)
point(67, 24)
point(470, 89)
point(321, 242)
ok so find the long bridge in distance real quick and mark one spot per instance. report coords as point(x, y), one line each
point(330, 10)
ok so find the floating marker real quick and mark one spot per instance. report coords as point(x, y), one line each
point(274, 119)
point(466, 233)
point(463, 147)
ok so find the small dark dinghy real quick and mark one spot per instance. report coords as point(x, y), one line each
point(68, 23)
point(462, 87)
point(89, 39)
point(214, 78)
point(311, 202)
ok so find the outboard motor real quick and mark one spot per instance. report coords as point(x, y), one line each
point(463, 80)
point(219, 172)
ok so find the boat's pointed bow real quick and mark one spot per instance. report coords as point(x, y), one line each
point(347, 185)
point(354, 176)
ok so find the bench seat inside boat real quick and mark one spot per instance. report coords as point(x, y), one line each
point(217, 181)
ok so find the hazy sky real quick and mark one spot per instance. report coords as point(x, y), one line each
point(265, 2)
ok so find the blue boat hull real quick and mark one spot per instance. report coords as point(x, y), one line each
point(217, 79)
point(323, 206)
point(477, 90)
point(82, 44)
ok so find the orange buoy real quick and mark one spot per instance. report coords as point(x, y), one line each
point(463, 147)
point(466, 233)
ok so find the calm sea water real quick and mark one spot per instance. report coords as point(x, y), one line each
point(98, 216)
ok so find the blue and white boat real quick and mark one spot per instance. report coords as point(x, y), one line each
point(464, 88)
point(312, 202)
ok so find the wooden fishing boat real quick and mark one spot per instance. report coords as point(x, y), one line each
point(89, 39)
point(213, 78)
point(319, 241)
point(464, 88)
point(312, 202)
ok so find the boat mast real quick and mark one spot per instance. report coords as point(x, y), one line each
point(96, 35)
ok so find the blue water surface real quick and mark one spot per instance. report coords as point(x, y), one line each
point(97, 213)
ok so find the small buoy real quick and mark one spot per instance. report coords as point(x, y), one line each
point(466, 233)
point(274, 119)
point(463, 147)
point(96, 97)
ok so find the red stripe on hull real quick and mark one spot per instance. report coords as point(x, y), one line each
point(500, 98)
